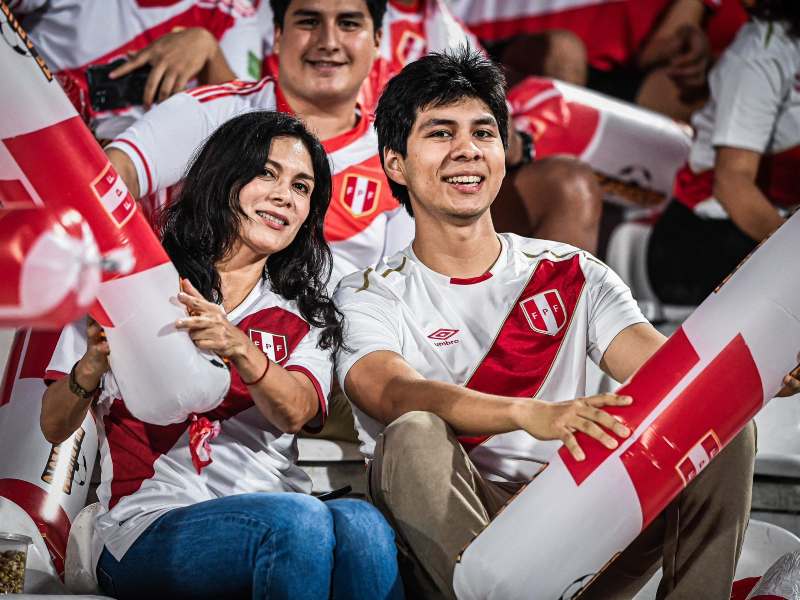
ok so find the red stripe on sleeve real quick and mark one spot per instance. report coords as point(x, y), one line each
point(323, 409)
point(144, 162)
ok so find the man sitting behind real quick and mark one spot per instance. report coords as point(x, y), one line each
point(467, 342)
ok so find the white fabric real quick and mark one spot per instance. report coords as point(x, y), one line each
point(755, 100)
point(400, 305)
point(250, 454)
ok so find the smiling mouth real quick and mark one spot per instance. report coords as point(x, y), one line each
point(272, 220)
point(325, 64)
point(465, 183)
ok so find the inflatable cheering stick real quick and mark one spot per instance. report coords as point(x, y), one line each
point(636, 152)
point(690, 399)
point(43, 486)
point(47, 151)
point(49, 264)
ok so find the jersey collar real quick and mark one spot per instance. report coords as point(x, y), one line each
point(445, 280)
point(337, 142)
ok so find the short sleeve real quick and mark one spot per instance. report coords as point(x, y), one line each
point(611, 309)
point(70, 348)
point(316, 364)
point(748, 92)
point(163, 142)
point(368, 327)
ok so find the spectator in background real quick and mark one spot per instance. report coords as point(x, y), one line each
point(741, 178)
point(246, 232)
point(183, 42)
point(652, 52)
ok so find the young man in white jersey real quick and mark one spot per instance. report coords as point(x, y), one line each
point(465, 345)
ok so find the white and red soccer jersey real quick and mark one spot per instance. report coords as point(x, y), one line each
point(148, 470)
point(523, 329)
point(754, 105)
point(410, 29)
point(59, 33)
point(363, 216)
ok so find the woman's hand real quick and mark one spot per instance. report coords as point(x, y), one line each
point(208, 326)
point(560, 421)
point(94, 362)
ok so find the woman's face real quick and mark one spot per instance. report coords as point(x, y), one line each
point(276, 203)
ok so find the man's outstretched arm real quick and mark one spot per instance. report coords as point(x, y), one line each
point(385, 386)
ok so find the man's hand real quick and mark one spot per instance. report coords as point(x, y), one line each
point(690, 58)
point(791, 384)
point(175, 58)
point(94, 362)
point(208, 326)
point(560, 420)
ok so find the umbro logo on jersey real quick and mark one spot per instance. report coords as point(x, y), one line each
point(360, 194)
point(442, 337)
point(545, 312)
point(272, 344)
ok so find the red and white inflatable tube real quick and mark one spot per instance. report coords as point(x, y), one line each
point(51, 158)
point(628, 144)
point(50, 267)
point(42, 486)
point(690, 399)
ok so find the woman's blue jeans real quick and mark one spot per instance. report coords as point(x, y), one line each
point(265, 545)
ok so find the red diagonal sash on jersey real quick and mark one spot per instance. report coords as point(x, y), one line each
point(521, 357)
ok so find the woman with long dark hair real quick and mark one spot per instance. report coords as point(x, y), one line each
point(741, 178)
point(246, 234)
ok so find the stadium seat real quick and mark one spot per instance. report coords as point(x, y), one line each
point(332, 464)
point(764, 543)
point(779, 439)
point(627, 256)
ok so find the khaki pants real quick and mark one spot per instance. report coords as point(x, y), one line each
point(434, 497)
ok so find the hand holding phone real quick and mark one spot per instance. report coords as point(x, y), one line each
point(173, 60)
point(107, 93)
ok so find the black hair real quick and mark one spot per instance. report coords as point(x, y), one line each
point(779, 10)
point(434, 80)
point(200, 227)
point(377, 8)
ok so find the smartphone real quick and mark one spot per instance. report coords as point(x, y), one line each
point(109, 94)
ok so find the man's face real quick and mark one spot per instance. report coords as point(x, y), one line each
point(454, 163)
point(326, 49)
